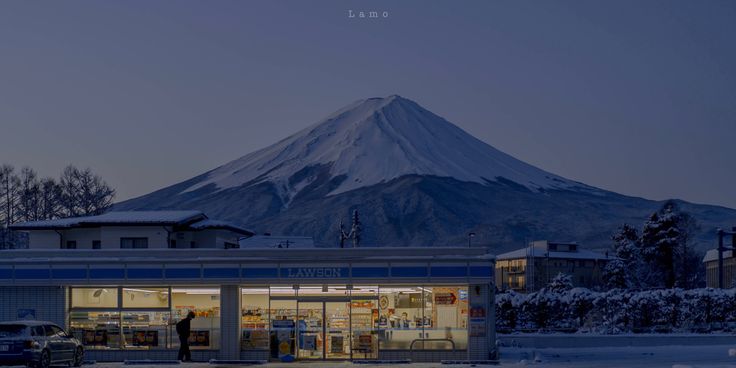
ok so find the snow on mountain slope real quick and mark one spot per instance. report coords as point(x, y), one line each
point(376, 140)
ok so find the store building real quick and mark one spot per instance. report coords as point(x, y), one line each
point(533, 267)
point(424, 304)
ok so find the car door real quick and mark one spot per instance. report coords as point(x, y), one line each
point(67, 341)
point(59, 351)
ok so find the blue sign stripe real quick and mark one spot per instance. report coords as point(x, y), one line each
point(32, 274)
point(370, 272)
point(457, 271)
point(481, 271)
point(106, 273)
point(409, 272)
point(182, 273)
point(222, 273)
point(145, 273)
point(69, 273)
point(6, 273)
point(260, 273)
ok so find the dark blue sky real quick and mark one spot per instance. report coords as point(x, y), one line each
point(637, 97)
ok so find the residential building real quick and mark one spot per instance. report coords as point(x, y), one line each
point(533, 267)
point(134, 229)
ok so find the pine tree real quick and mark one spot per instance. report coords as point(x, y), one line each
point(616, 275)
point(560, 283)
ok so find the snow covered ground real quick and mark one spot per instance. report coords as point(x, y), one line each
point(630, 357)
point(715, 356)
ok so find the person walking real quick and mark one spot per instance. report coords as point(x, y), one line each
point(183, 329)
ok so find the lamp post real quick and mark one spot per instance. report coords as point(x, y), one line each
point(470, 236)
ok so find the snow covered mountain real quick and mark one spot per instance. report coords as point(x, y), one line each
point(374, 141)
point(416, 178)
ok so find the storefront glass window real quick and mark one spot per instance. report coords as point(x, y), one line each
point(145, 297)
point(364, 319)
point(147, 317)
point(96, 330)
point(254, 318)
point(205, 327)
point(94, 297)
point(429, 317)
point(146, 330)
point(445, 316)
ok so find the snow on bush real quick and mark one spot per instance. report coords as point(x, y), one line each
point(617, 311)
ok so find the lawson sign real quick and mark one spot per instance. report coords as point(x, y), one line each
point(315, 272)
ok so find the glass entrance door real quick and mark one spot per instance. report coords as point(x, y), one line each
point(310, 330)
point(337, 330)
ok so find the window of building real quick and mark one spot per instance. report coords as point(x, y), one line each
point(145, 297)
point(96, 330)
point(133, 243)
point(437, 312)
point(205, 327)
point(99, 297)
point(255, 317)
point(192, 244)
point(70, 244)
point(96, 244)
point(145, 318)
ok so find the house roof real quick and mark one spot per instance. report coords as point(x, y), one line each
point(196, 220)
point(217, 224)
point(712, 255)
point(542, 253)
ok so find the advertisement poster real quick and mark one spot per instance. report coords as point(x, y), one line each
point(477, 321)
point(365, 343)
point(145, 338)
point(95, 338)
point(310, 342)
point(199, 338)
point(336, 344)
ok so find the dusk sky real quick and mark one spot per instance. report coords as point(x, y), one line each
point(637, 97)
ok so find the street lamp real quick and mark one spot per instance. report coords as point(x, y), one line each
point(470, 236)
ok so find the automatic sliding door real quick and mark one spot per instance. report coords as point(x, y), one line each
point(310, 337)
point(337, 331)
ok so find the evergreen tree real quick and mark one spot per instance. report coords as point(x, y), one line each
point(560, 283)
point(616, 275)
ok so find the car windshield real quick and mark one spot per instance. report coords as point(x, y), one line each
point(11, 330)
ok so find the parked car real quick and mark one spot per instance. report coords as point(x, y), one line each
point(38, 344)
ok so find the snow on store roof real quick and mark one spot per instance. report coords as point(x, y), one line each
point(542, 253)
point(116, 217)
point(277, 241)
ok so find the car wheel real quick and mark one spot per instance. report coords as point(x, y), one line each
point(78, 357)
point(45, 360)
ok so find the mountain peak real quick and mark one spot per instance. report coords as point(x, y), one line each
point(373, 141)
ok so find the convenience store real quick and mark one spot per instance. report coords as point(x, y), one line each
point(424, 304)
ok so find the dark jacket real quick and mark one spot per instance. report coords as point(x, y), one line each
point(183, 327)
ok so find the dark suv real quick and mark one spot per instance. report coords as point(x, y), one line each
point(38, 344)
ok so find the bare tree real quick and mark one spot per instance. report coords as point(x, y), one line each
point(9, 195)
point(29, 196)
point(50, 201)
point(94, 196)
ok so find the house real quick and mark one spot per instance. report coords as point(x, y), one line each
point(711, 269)
point(133, 229)
point(533, 267)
